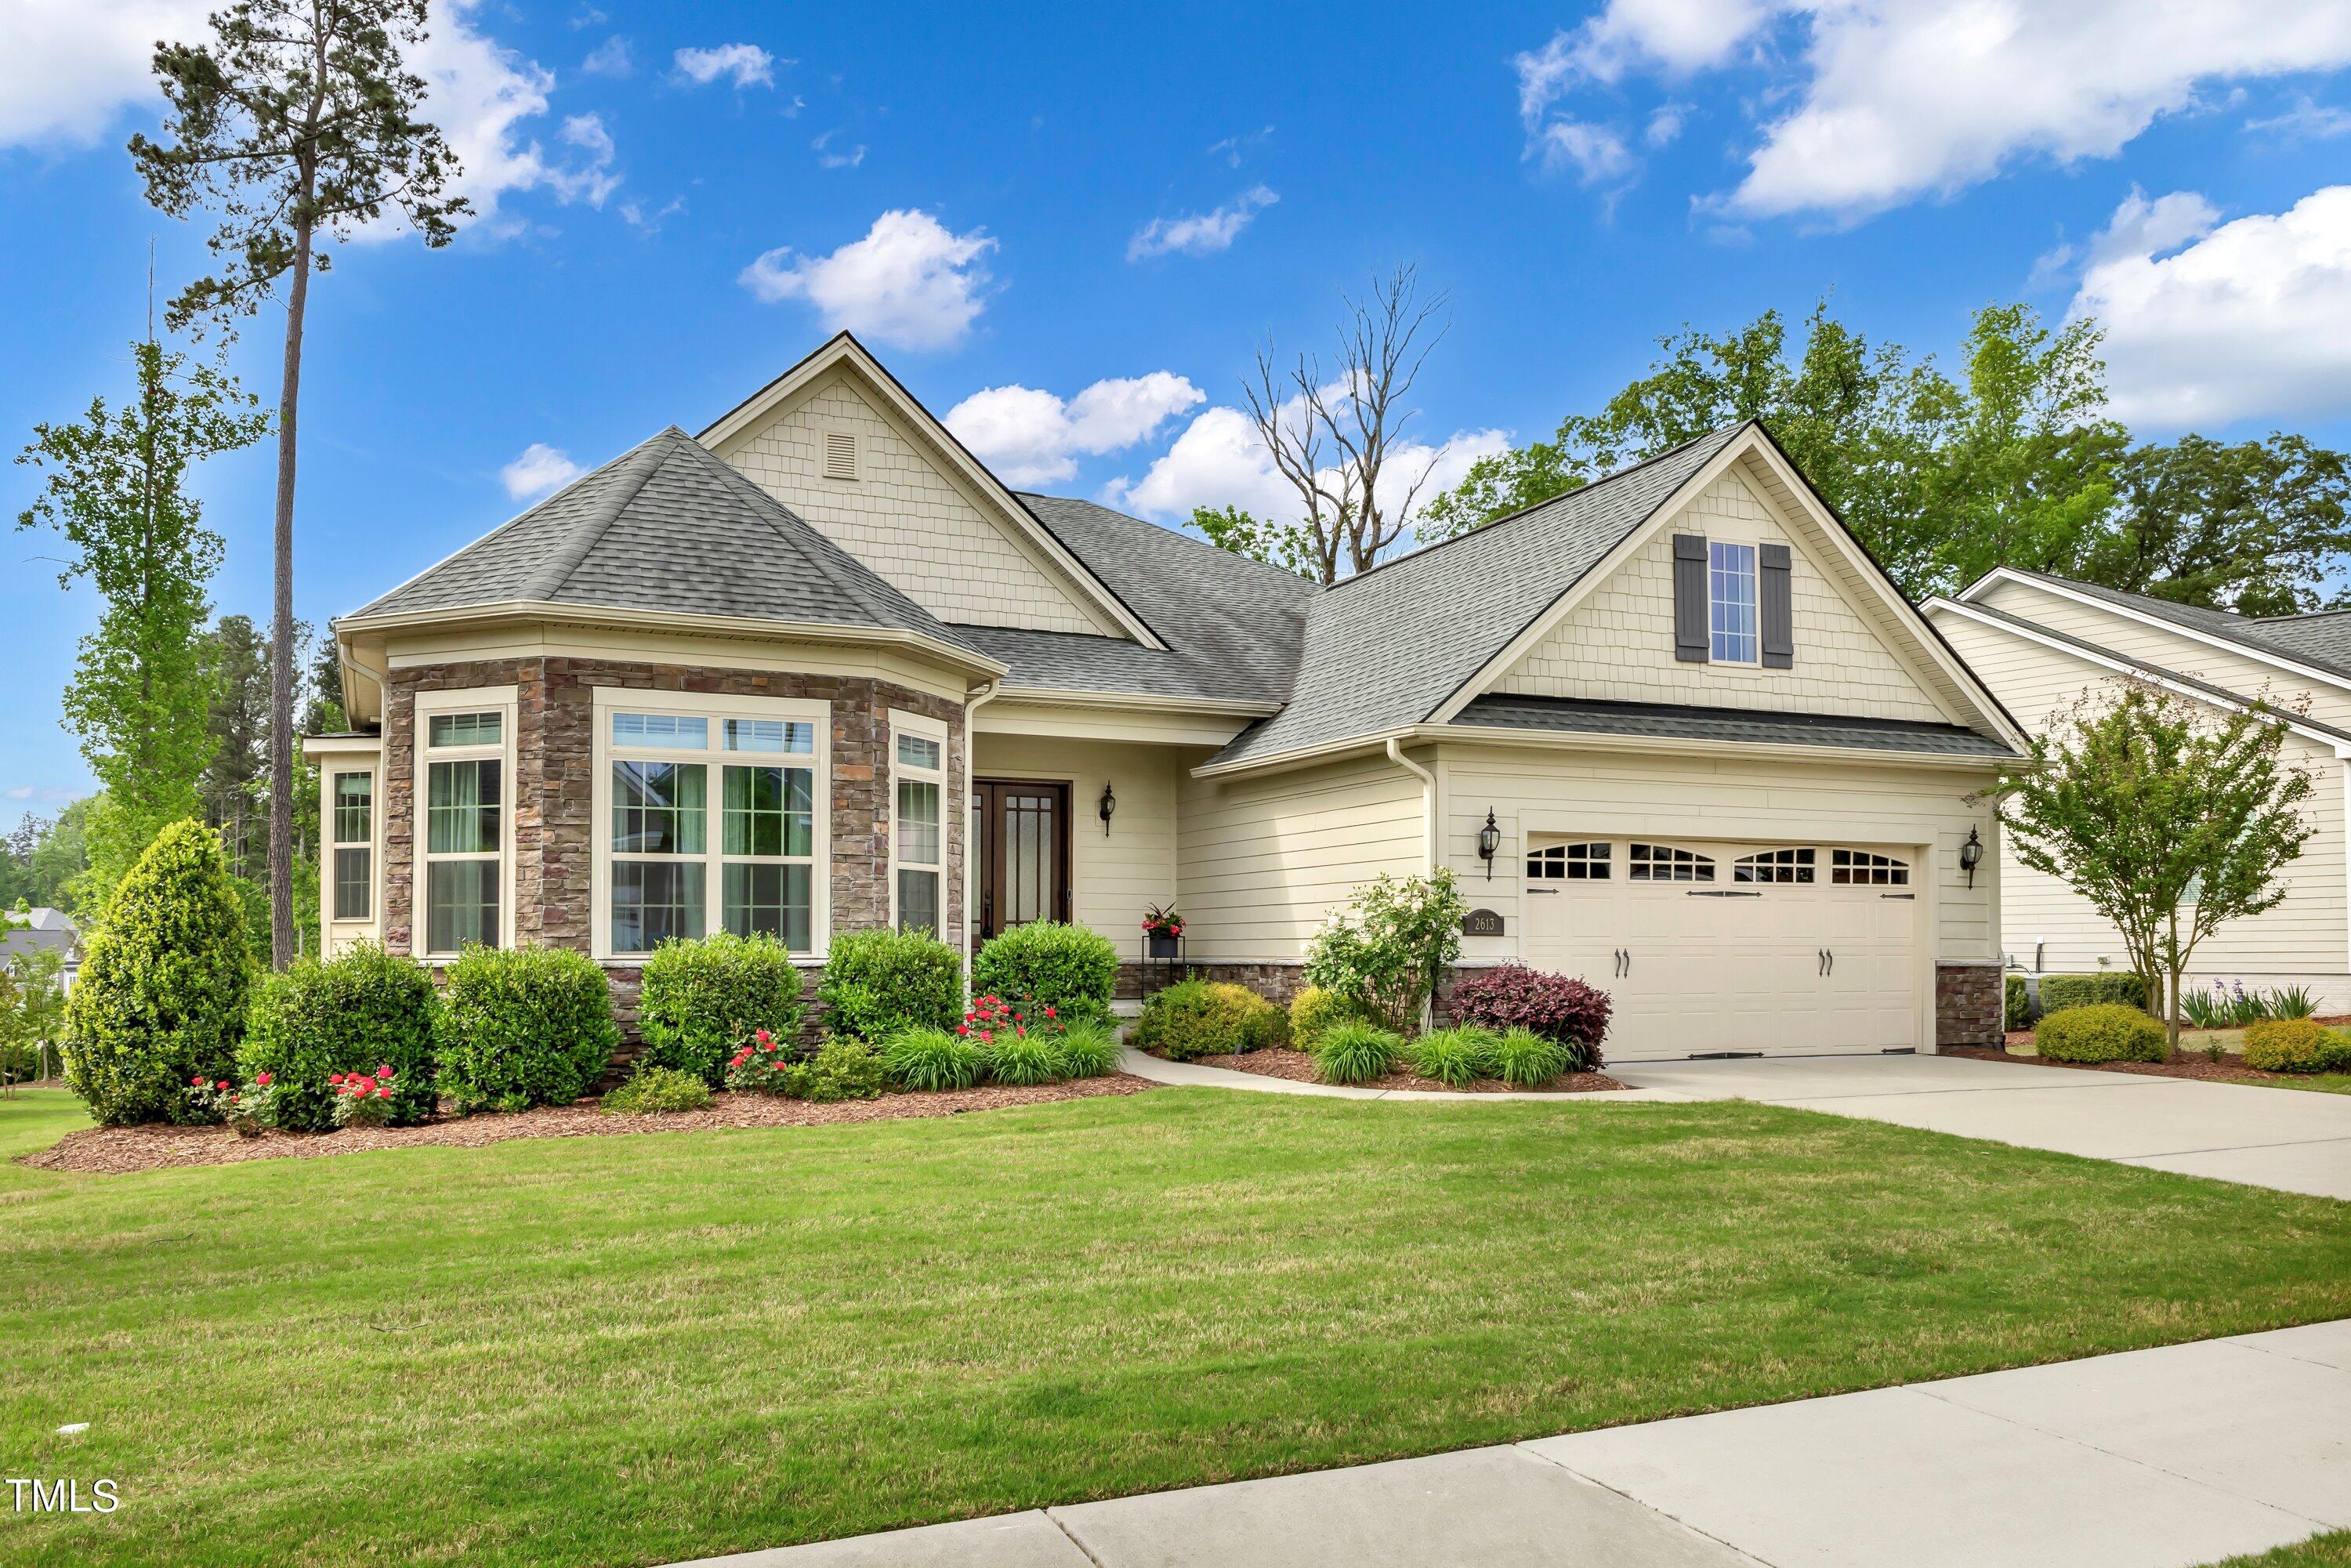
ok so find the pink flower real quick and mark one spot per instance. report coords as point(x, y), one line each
point(222, 1085)
point(261, 1080)
point(334, 1078)
point(197, 1081)
point(762, 1035)
point(1051, 1013)
point(963, 1028)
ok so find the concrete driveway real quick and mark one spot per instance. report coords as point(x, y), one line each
point(2290, 1140)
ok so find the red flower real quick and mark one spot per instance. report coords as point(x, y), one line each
point(222, 1085)
point(1051, 1013)
point(261, 1080)
point(334, 1078)
point(963, 1028)
point(383, 1072)
point(762, 1035)
point(197, 1081)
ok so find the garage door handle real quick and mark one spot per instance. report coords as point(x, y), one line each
point(1623, 963)
point(1820, 962)
point(1832, 954)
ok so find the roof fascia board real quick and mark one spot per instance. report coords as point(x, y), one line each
point(1144, 702)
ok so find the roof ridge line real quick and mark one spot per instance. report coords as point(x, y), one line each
point(653, 450)
point(1175, 533)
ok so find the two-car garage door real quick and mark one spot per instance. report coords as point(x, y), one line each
point(1706, 947)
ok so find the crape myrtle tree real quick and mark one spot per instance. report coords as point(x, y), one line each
point(2169, 818)
point(296, 122)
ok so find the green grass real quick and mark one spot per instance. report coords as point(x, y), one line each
point(630, 1350)
point(2332, 1550)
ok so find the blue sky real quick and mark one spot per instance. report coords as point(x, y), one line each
point(1107, 207)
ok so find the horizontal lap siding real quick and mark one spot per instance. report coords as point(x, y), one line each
point(1262, 859)
point(1113, 876)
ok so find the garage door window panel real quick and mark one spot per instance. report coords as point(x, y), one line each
point(1663, 863)
point(1792, 866)
point(1859, 868)
point(1570, 863)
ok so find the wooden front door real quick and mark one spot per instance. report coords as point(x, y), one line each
point(1024, 852)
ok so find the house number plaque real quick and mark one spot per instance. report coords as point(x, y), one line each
point(1481, 923)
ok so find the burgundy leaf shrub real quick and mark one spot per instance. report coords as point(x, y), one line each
point(1553, 1006)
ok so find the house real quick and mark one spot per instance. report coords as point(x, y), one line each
point(45, 930)
point(2042, 642)
point(816, 669)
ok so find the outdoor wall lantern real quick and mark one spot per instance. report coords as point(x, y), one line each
point(1971, 856)
point(1489, 839)
point(1109, 804)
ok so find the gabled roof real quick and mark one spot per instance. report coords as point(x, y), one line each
point(2320, 642)
point(666, 526)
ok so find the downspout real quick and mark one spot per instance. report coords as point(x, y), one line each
point(972, 703)
point(1429, 827)
point(378, 678)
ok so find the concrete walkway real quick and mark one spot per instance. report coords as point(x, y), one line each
point(2154, 1458)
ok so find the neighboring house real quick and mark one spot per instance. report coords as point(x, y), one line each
point(2042, 643)
point(740, 680)
point(53, 931)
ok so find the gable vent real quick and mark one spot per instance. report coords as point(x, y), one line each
point(840, 455)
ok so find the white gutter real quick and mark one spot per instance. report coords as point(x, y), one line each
point(1427, 799)
point(379, 678)
point(973, 701)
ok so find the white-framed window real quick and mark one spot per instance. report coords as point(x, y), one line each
point(464, 829)
point(710, 816)
point(918, 857)
point(1569, 863)
point(1731, 624)
point(352, 832)
point(1663, 863)
point(1790, 865)
point(1859, 868)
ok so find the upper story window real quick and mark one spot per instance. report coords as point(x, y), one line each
point(1662, 862)
point(466, 773)
point(918, 846)
point(1731, 623)
point(1569, 863)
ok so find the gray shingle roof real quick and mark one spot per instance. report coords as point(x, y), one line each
point(1387, 648)
point(667, 526)
point(1665, 720)
point(2322, 640)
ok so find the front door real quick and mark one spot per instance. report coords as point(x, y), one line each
point(1024, 852)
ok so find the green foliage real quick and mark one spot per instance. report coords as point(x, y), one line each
point(2016, 1003)
point(523, 1026)
point(878, 984)
point(1285, 545)
point(1353, 1051)
point(32, 1009)
point(1069, 968)
point(2100, 1032)
point(1193, 1018)
point(702, 998)
point(42, 856)
point(1312, 1010)
point(2059, 992)
point(1454, 1057)
point(841, 1070)
point(164, 978)
point(929, 1058)
point(1530, 1060)
point(1087, 1050)
point(1384, 955)
point(2296, 1045)
point(363, 1009)
point(1025, 1059)
point(653, 1089)
point(2251, 527)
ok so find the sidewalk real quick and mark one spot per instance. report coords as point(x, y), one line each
point(2153, 1458)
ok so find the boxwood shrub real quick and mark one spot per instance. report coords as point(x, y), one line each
point(702, 998)
point(1557, 1006)
point(2016, 1003)
point(2059, 992)
point(2296, 1045)
point(1073, 970)
point(362, 1010)
point(523, 1026)
point(1193, 1018)
point(878, 984)
point(165, 974)
point(2099, 1031)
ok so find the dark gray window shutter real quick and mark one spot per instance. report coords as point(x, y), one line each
point(1778, 613)
point(1689, 598)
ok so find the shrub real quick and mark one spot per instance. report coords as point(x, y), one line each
point(2099, 1031)
point(932, 1059)
point(841, 1070)
point(1067, 967)
point(2016, 1003)
point(1454, 1057)
point(1193, 1018)
point(523, 1026)
point(1385, 953)
point(1312, 1010)
point(762, 1065)
point(1529, 1060)
point(881, 983)
point(1025, 1059)
point(2294, 1045)
point(365, 1099)
point(656, 1089)
point(364, 1009)
point(702, 998)
point(1512, 995)
point(165, 974)
point(244, 1108)
point(1353, 1051)
point(2059, 992)
point(1089, 1049)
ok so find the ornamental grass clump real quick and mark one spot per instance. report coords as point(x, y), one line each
point(1356, 1053)
point(1525, 1059)
point(1312, 1010)
point(1456, 1058)
point(658, 1089)
point(1087, 1050)
point(930, 1059)
point(1024, 1059)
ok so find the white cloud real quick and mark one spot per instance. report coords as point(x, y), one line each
point(1597, 152)
point(832, 158)
point(2240, 320)
point(909, 283)
point(22, 792)
point(1200, 234)
point(745, 65)
point(610, 59)
point(540, 469)
point(1031, 437)
point(2307, 120)
point(68, 68)
point(1665, 122)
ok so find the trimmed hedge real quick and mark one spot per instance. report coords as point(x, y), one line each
point(2296, 1045)
point(165, 974)
point(880, 984)
point(363, 1009)
point(523, 1026)
point(2059, 992)
point(1193, 1018)
point(702, 998)
point(2016, 1003)
point(1073, 970)
point(1557, 1006)
point(2100, 1032)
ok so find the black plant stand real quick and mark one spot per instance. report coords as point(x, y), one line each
point(1163, 964)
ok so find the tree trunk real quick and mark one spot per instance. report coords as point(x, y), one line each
point(281, 624)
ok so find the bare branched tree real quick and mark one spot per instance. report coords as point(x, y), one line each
point(1334, 435)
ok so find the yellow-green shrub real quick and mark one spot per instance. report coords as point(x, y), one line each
point(2100, 1032)
point(2293, 1045)
point(1198, 1017)
point(1312, 1010)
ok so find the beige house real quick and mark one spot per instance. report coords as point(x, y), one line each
point(2043, 642)
point(816, 669)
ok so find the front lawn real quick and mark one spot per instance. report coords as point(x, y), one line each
point(2329, 1550)
point(632, 1350)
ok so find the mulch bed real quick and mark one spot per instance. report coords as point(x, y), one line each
point(116, 1150)
point(2195, 1065)
point(1281, 1061)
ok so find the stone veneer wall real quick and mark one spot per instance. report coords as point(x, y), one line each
point(1968, 1005)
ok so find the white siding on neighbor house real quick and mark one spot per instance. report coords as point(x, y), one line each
point(1618, 644)
point(2305, 937)
point(1113, 876)
point(1261, 859)
point(907, 518)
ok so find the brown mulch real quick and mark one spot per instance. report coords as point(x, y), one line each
point(2191, 1064)
point(1281, 1061)
point(115, 1150)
